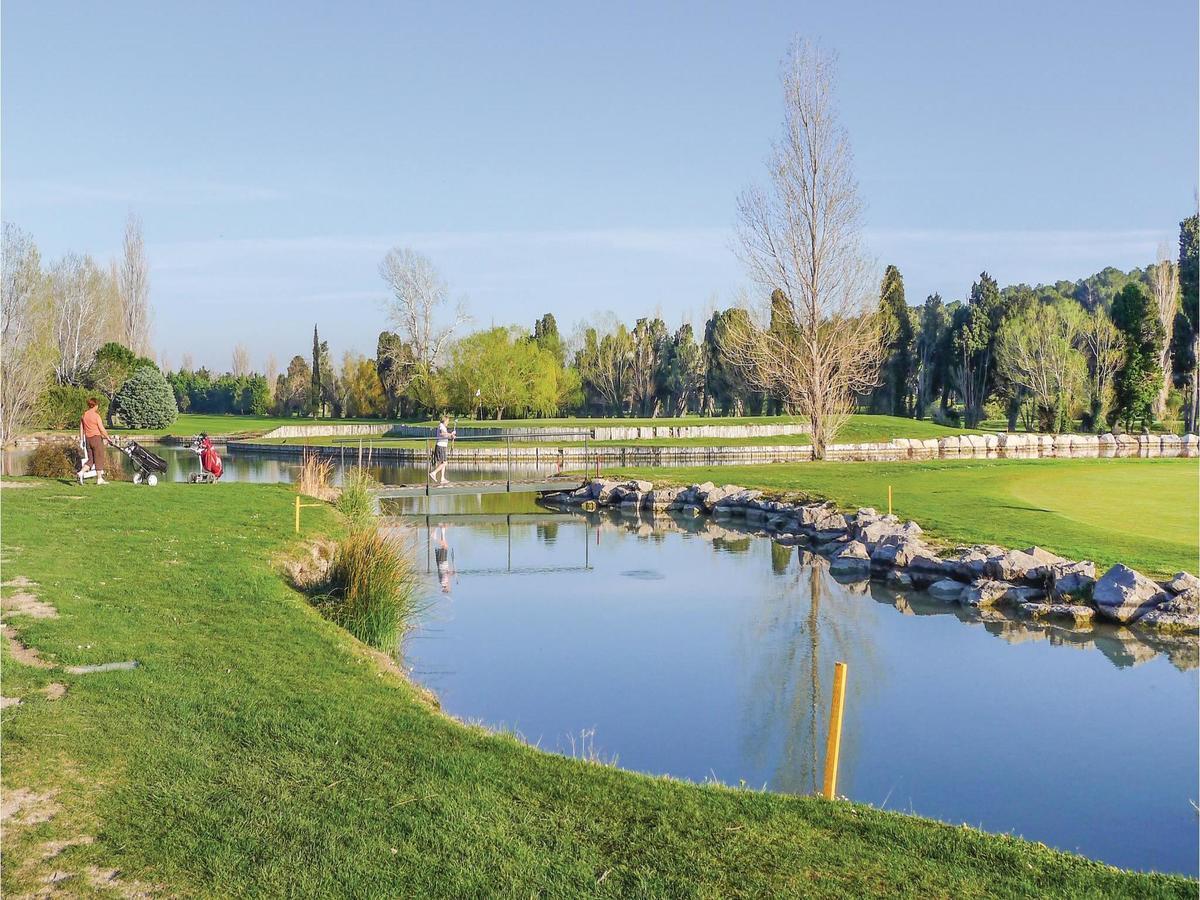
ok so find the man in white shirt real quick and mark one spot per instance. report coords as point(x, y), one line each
point(437, 461)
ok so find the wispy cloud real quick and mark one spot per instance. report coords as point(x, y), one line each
point(144, 192)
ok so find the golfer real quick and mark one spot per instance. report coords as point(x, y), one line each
point(92, 435)
point(441, 447)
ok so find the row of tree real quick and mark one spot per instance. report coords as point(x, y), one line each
point(56, 319)
point(1115, 347)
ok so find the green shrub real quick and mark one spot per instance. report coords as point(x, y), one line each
point(355, 502)
point(62, 405)
point(373, 586)
point(146, 400)
point(53, 461)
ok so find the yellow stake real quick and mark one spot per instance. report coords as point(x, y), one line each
point(297, 514)
point(833, 748)
point(889, 499)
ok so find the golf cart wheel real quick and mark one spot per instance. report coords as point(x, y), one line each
point(137, 477)
point(152, 480)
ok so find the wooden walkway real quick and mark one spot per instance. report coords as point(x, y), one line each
point(535, 486)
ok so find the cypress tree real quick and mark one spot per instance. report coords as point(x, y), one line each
point(315, 391)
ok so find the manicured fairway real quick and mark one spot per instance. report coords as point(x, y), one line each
point(260, 751)
point(1142, 512)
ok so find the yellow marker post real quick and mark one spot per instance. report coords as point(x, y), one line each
point(298, 506)
point(889, 499)
point(833, 748)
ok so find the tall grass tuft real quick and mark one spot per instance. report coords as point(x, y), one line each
point(373, 588)
point(355, 502)
point(316, 473)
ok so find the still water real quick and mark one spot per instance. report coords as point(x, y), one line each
point(692, 649)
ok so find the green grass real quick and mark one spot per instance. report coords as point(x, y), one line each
point(1142, 512)
point(860, 429)
point(261, 751)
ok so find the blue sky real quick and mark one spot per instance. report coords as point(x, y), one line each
point(573, 157)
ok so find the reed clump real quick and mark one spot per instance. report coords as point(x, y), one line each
point(316, 476)
point(372, 588)
point(354, 501)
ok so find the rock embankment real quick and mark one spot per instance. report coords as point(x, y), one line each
point(865, 544)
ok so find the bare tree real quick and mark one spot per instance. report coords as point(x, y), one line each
point(1103, 348)
point(186, 364)
point(419, 295)
point(272, 374)
point(79, 290)
point(1165, 284)
point(801, 236)
point(135, 290)
point(1036, 350)
point(241, 359)
point(24, 351)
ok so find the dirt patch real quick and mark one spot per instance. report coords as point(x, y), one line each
point(6, 702)
point(310, 571)
point(123, 666)
point(16, 485)
point(20, 581)
point(111, 879)
point(26, 807)
point(25, 604)
point(54, 691)
point(26, 656)
point(51, 849)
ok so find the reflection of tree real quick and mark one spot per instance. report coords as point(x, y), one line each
point(803, 626)
point(780, 557)
point(548, 532)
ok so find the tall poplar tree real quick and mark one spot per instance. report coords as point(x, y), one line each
point(315, 390)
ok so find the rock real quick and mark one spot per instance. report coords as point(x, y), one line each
point(946, 589)
point(884, 531)
point(850, 565)
point(898, 554)
point(1077, 613)
point(1072, 580)
point(900, 579)
point(822, 517)
point(709, 496)
point(987, 592)
point(662, 497)
point(923, 560)
point(971, 562)
point(1178, 613)
point(1184, 583)
point(852, 550)
point(1033, 564)
point(1125, 595)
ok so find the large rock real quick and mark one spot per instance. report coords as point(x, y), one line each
point(1178, 613)
point(1072, 580)
point(602, 490)
point(823, 517)
point(887, 530)
point(946, 589)
point(1185, 584)
point(899, 554)
point(1125, 595)
point(662, 497)
point(971, 562)
point(1031, 565)
point(986, 592)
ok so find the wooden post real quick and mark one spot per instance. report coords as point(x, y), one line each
point(889, 499)
point(297, 514)
point(833, 747)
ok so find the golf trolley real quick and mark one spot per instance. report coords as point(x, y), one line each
point(147, 466)
point(210, 461)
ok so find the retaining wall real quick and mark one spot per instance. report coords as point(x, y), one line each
point(988, 446)
point(523, 433)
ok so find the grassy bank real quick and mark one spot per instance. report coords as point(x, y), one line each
point(260, 751)
point(1140, 512)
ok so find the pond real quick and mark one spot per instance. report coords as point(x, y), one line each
point(693, 649)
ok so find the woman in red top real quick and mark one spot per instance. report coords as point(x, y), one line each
point(93, 434)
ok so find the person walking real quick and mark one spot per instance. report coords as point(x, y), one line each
point(92, 435)
point(441, 450)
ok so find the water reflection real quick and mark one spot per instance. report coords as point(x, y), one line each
point(703, 650)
